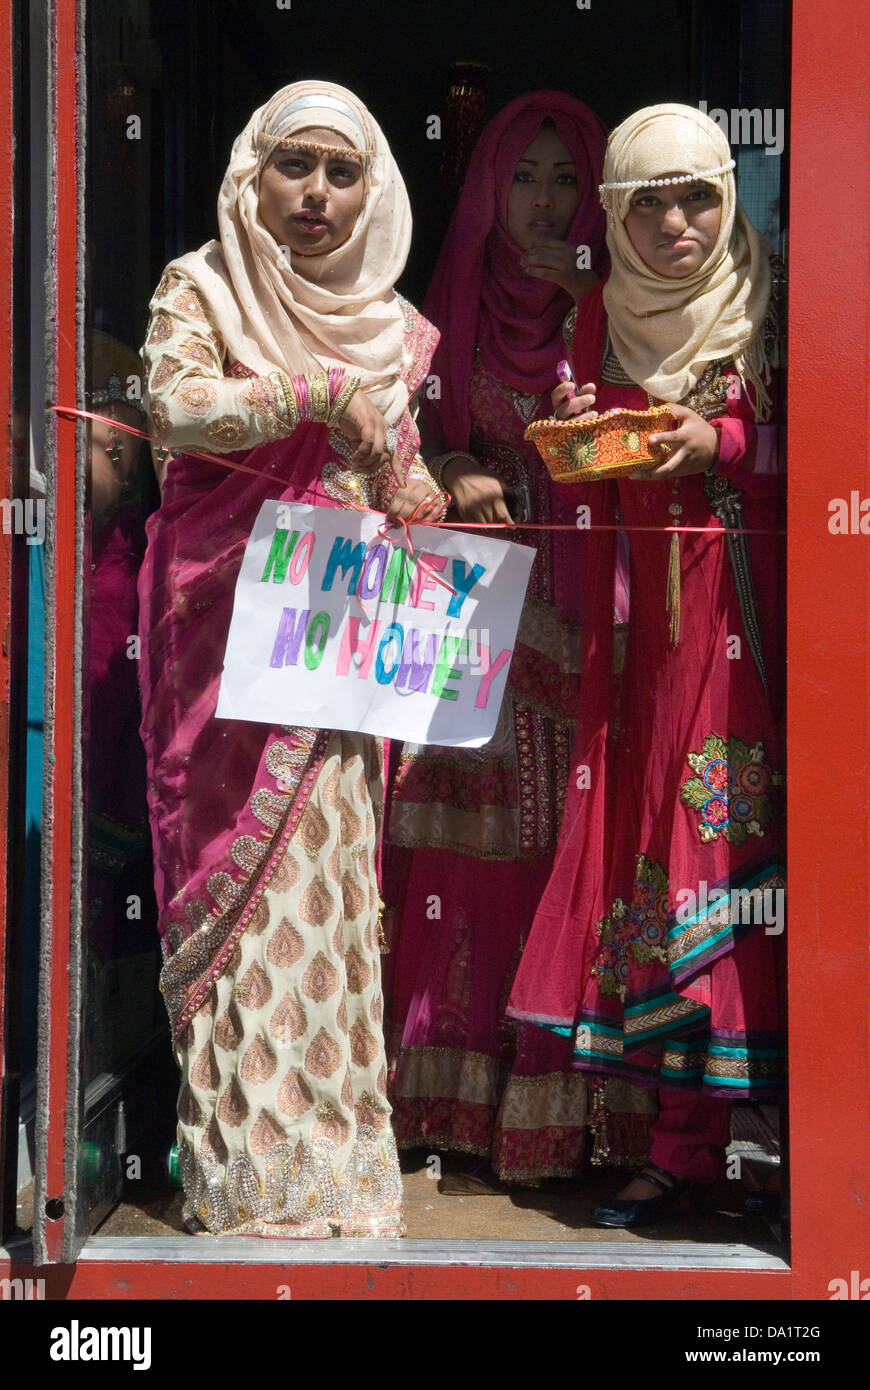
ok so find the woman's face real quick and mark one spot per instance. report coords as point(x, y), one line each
point(674, 229)
point(543, 196)
point(310, 201)
point(113, 461)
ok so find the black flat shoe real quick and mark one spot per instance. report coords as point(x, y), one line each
point(629, 1212)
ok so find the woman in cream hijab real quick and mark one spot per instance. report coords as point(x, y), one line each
point(642, 947)
point(284, 340)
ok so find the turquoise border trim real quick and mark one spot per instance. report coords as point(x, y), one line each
point(746, 886)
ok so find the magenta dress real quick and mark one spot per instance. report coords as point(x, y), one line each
point(483, 824)
point(472, 833)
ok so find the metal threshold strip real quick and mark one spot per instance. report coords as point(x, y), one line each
point(510, 1254)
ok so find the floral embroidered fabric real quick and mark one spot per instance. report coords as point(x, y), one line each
point(731, 789)
point(634, 929)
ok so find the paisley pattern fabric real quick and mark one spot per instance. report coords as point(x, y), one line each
point(190, 398)
point(283, 1119)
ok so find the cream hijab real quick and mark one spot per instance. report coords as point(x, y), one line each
point(343, 311)
point(666, 331)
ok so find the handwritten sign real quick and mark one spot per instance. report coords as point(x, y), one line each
point(335, 627)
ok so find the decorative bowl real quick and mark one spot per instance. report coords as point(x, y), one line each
point(601, 446)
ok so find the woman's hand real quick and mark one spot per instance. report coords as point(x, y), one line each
point(693, 445)
point(478, 494)
point(414, 498)
point(363, 425)
point(568, 402)
point(553, 260)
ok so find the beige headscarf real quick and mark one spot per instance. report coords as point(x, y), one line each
point(343, 311)
point(666, 331)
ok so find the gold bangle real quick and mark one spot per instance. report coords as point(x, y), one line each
point(318, 398)
point(342, 400)
point(288, 398)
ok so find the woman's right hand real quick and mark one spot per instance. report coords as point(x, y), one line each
point(363, 426)
point(478, 494)
point(568, 402)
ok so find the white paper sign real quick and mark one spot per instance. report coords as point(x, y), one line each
point(338, 628)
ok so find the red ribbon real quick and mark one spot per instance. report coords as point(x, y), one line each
point(71, 412)
point(406, 525)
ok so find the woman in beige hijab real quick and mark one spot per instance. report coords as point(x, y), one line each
point(654, 942)
point(283, 344)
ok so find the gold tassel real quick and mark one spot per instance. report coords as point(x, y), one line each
point(672, 603)
point(596, 1122)
point(383, 943)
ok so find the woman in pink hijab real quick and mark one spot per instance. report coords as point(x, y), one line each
point(472, 832)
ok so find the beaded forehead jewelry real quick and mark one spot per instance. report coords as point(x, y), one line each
point(290, 142)
point(113, 393)
point(606, 190)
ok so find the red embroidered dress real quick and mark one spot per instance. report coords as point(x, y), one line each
point(474, 831)
point(642, 950)
point(483, 825)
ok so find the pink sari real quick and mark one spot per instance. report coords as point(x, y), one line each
point(225, 796)
point(266, 853)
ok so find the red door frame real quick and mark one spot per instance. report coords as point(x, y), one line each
point(8, 1122)
point(829, 645)
point(829, 738)
point(53, 1093)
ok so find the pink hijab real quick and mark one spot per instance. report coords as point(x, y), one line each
point(479, 292)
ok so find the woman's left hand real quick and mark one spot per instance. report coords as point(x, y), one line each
point(549, 259)
point(694, 447)
point(415, 498)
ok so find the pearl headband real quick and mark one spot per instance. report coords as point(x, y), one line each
point(605, 189)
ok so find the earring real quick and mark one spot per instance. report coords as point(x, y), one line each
point(115, 449)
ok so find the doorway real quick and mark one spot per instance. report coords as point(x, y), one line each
point(169, 86)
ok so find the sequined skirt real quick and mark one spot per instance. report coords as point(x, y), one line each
point(284, 1124)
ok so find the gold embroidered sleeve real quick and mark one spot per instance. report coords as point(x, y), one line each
point(189, 399)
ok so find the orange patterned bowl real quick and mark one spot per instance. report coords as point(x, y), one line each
point(601, 446)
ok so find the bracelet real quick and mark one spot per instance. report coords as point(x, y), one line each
point(318, 394)
point(288, 398)
point(441, 462)
point(320, 398)
point(419, 472)
point(386, 486)
point(342, 399)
